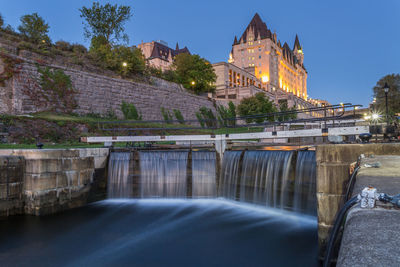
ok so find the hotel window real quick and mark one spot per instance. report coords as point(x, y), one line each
point(259, 56)
point(259, 72)
point(259, 49)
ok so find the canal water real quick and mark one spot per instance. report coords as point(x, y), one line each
point(260, 213)
point(161, 232)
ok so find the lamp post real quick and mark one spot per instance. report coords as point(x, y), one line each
point(386, 89)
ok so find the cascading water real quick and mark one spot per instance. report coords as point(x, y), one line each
point(305, 183)
point(230, 174)
point(119, 181)
point(270, 178)
point(163, 174)
point(264, 177)
point(204, 174)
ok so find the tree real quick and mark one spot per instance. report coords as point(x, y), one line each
point(256, 105)
point(1, 21)
point(393, 80)
point(34, 28)
point(195, 73)
point(283, 107)
point(106, 21)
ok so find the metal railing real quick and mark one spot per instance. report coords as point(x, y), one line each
point(329, 114)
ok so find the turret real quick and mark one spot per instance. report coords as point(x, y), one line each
point(298, 50)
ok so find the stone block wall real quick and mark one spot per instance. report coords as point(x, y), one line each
point(48, 181)
point(98, 93)
point(333, 171)
point(11, 185)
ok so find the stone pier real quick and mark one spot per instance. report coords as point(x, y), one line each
point(39, 182)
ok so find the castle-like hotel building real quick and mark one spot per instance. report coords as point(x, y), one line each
point(258, 62)
point(277, 66)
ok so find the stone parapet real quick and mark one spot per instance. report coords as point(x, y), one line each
point(333, 171)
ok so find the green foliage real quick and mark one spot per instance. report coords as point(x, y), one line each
point(34, 28)
point(106, 21)
point(78, 49)
point(283, 107)
point(57, 87)
point(224, 114)
point(195, 73)
point(393, 80)
point(179, 116)
point(130, 112)
point(166, 115)
point(63, 46)
point(1, 21)
point(200, 119)
point(206, 117)
point(122, 59)
point(255, 105)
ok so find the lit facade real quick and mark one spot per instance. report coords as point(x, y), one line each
point(278, 66)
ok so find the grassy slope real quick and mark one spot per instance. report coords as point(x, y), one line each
point(63, 119)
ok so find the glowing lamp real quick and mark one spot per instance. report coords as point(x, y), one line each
point(193, 82)
point(265, 79)
point(375, 116)
point(124, 64)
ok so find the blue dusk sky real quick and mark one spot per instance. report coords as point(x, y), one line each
point(348, 44)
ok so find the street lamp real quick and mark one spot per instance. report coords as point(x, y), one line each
point(386, 89)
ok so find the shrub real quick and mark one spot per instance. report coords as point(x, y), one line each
point(259, 104)
point(200, 119)
point(25, 46)
point(166, 115)
point(63, 45)
point(57, 87)
point(179, 116)
point(130, 112)
point(79, 49)
point(226, 115)
point(205, 116)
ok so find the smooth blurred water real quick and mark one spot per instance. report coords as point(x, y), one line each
point(119, 183)
point(161, 232)
point(163, 173)
point(204, 174)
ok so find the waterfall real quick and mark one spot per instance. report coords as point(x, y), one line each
point(230, 174)
point(119, 181)
point(163, 173)
point(305, 183)
point(204, 174)
point(265, 178)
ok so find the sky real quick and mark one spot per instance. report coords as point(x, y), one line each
point(348, 45)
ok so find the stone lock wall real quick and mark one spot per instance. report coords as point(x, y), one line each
point(97, 93)
point(53, 180)
point(11, 185)
point(333, 171)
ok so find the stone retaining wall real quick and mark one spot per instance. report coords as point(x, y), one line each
point(98, 93)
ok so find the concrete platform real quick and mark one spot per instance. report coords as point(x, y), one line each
point(371, 236)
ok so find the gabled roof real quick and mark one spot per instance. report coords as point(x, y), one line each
point(259, 29)
point(163, 52)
